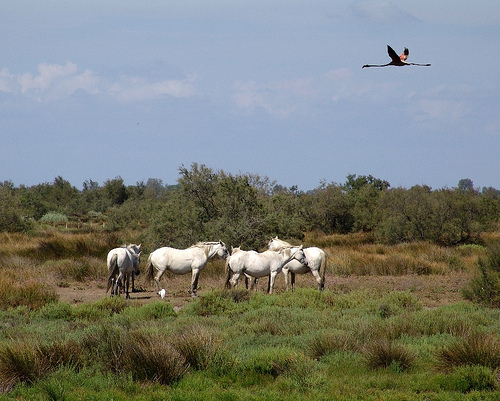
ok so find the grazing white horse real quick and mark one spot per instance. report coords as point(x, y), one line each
point(254, 264)
point(182, 261)
point(122, 262)
point(316, 263)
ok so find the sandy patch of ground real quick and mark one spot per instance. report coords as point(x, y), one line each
point(431, 290)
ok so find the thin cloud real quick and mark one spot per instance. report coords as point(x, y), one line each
point(136, 89)
point(280, 98)
point(380, 12)
point(59, 81)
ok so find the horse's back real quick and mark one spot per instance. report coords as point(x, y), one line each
point(178, 261)
point(124, 259)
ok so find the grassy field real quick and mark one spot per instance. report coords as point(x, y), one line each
point(391, 325)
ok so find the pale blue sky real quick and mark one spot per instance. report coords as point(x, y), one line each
point(96, 90)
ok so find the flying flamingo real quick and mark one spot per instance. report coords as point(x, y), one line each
point(396, 60)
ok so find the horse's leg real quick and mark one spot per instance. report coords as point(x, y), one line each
point(285, 273)
point(118, 286)
point(254, 282)
point(194, 282)
point(157, 279)
point(127, 294)
point(292, 274)
point(272, 277)
point(234, 279)
point(113, 284)
point(133, 282)
point(318, 278)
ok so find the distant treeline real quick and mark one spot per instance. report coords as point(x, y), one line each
point(245, 209)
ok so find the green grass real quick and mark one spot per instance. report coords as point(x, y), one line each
point(230, 346)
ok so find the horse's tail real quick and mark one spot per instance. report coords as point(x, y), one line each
point(113, 270)
point(228, 273)
point(323, 268)
point(150, 270)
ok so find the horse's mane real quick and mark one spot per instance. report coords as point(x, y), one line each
point(202, 244)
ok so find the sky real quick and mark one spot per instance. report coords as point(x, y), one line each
point(97, 90)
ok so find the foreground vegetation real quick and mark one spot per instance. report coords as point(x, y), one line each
point(341, 344)
point(361, 345)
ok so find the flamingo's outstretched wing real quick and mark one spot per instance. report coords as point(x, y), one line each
point(393, 55)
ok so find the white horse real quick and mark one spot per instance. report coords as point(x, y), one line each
point(183, 261)
point(122, 262)
point(316, 263)
point(254, 264)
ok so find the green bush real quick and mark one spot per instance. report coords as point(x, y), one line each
point(469, 378)
point(484, 288)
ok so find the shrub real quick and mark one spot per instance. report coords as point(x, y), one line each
point(484, 288)
point(212, 303)
point(54, 218)
point(474, 349)
point(470, 378)
point(152, 311)
point(385, 354)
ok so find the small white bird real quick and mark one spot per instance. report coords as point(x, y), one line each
point(162, 293)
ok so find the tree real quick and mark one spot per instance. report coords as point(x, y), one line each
point(116, 191)
point(466, 184)
point(11, 212)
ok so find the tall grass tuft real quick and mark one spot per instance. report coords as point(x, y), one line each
point(385, 354)
point(202, 348)
point(27, 362)
point(474, 349)
point(330, 341)
point(153, 358)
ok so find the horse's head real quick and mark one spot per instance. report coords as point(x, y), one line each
point(133, 248)
point(300, 255)
point(222, 251)
point(136, 260)
point(271, 245)
point(274, 244)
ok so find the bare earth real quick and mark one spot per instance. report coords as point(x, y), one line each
point(431, 290)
